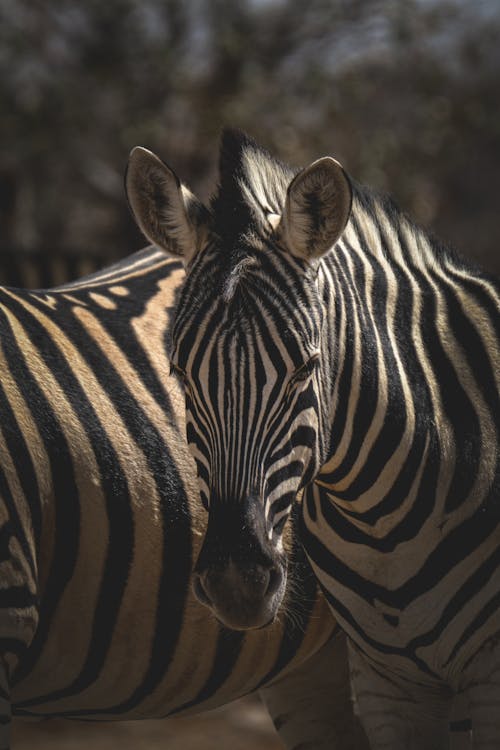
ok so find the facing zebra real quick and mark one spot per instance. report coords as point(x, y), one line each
point(326, 342)
point(100, 522)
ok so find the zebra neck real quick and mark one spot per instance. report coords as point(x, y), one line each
point(412, 390)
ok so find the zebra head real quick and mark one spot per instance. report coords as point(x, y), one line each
point(248, 346)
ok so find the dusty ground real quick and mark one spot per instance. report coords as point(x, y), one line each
point(243, 725)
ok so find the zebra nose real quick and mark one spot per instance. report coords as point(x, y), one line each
point(251, 583)
point(240, 597)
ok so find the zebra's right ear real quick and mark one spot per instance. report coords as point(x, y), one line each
point(317, 209)
point(167, 212)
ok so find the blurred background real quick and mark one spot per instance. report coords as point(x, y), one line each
point(406, 93)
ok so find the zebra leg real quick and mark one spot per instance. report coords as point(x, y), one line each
point(5, 707)
point(311, 707)
point(398, 714)
point(481, 684)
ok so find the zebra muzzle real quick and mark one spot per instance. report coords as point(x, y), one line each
point(242, 597)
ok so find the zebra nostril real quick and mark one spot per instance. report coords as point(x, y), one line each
point(274, 581)
point(200, 591)
point(255, 581)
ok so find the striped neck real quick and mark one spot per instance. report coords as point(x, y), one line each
point(398, 385)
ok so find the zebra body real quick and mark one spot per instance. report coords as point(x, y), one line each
point(100, 522)
point(358, 359)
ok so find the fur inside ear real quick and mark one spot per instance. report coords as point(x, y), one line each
point(317, 209)
point(168, 214)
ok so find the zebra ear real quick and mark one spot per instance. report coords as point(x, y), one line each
point(168, 214)
point(317, 209)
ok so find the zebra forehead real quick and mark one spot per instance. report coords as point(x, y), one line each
point(236, 274)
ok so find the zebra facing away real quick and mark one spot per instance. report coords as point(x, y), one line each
point(100, 522)
point(325, 342)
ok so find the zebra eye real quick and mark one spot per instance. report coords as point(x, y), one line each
point(178, 372)
point(305, 370)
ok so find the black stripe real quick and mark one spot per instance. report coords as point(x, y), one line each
point(455, 547)
point(66, 502)
point(176, 560)
point(118, 324)
point(66, 547)
point(472, 349)
point(470, 588)
point(25, 471)
point(318, 554)
point(229, 646)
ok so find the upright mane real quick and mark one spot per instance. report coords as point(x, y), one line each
point(252, 186)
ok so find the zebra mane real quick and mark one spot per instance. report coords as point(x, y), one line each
point(389, 233)
point(252, 186)
point(250, 175)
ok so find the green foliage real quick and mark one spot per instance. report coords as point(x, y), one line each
point(404, 93)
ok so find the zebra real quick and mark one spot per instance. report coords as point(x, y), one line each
point(100, 522)
point(325, 343)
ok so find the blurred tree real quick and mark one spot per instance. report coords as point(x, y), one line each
point(405, 94)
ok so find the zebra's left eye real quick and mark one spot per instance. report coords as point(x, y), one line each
point(304, 371)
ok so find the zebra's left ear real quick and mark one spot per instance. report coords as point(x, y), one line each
point(317, 209)
point(170, 216)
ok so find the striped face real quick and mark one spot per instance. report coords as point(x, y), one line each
point(247, 348)
point(248, 356)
